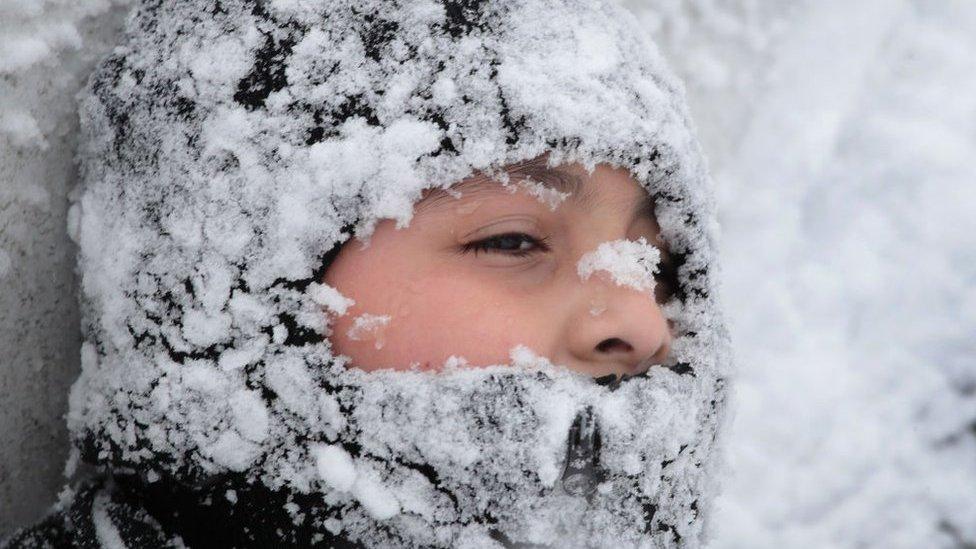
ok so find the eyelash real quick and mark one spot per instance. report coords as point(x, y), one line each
point(667, 273)
point(667, 276)
point(484, 245)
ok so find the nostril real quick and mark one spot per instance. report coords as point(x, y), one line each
point(614, 344)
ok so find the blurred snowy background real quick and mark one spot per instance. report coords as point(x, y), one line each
point(842, 138)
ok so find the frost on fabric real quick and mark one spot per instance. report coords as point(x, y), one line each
point(330, 298)
point(225, 157)
point(629, 263)
point(105, 531)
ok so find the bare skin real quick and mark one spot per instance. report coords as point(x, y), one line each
point(476, 275)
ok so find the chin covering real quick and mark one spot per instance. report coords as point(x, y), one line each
point(230, 147)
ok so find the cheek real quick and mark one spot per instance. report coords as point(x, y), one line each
point(432, 318)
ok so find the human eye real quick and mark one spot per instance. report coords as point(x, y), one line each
point(512, 244)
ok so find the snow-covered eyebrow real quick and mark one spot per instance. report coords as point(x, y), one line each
point(553, 178)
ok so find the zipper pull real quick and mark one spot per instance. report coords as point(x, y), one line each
point(583, 472)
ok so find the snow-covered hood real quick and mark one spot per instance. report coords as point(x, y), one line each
point(230, 147)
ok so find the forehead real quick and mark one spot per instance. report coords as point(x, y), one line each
point(581, 186)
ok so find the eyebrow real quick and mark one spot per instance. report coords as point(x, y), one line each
point(551, 177)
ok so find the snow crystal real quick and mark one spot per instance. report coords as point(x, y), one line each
point(105, 531)
point(334, 466)
point(279, 333)
point(330, 298)
point(546, 194)
point(203, 329)
point(333, 525)
point(453, 362)
point(250, 415)
point(233, 359)
point(73, 222)
point(527, 358)
point(291, 380)
point(71, 464)
point(630, 263)
point(444, 91)
point(232, 451)
point(22, 130)
point(200, 377)
point(218, 61)
point(65, 497)
point(375, 498)
point(369, 326)
point(556, 414)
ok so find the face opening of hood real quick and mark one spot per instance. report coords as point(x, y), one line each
point(226, 158)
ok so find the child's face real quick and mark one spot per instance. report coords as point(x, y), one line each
point(477, 275)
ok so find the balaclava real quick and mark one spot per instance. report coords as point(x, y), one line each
point(231, 146)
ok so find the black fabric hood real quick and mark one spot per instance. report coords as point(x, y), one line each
point(229, 148)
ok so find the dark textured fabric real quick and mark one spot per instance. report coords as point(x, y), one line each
point(161, 514)
point(97, 510)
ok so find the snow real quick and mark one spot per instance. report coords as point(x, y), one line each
point(334, 466)
point(630, 264)
point(105, 531)
point(47, 51)
point(842, 148)
point(232, 451)
point(5, 263)
point(233, 359)
point(22, 130)
point(330, 298)
point(250, 415)
point(368, 326)
point(203, 329)
point(375, 498)
point(841, 138)
point(279, 334)
point(545, 194)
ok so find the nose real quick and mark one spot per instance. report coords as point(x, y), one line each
point(616, 330)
